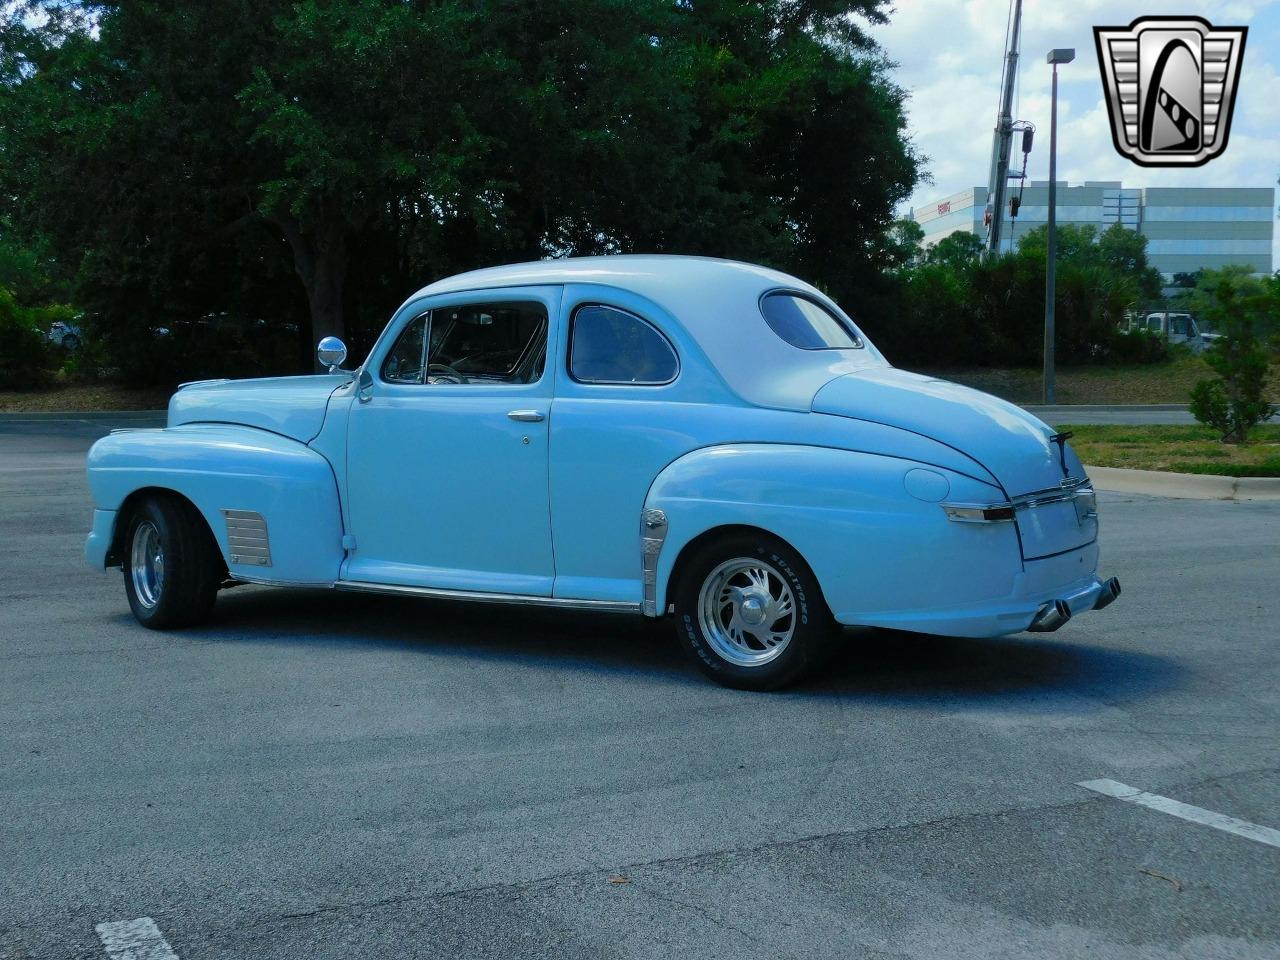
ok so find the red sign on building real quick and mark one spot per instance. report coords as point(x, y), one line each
point(944, 208)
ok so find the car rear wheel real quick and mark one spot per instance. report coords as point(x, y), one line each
point(750, 612)
point(171, 564)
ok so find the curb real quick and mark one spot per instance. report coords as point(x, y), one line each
point(1185, 486)
point(90, 416)
point(1119, 407)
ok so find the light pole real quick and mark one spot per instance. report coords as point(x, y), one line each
point(1055, 57)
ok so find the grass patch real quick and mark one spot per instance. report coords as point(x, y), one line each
point(1169, 382)
point(1178, 449)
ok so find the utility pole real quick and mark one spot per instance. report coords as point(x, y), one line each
point(1003, 140)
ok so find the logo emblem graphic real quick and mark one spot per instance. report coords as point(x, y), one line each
point(1170, 84)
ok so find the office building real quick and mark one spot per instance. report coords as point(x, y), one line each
point(1187, 228)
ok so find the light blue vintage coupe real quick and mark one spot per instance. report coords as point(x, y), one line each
point(666, 436)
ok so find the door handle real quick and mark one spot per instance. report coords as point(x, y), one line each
point(527, 416)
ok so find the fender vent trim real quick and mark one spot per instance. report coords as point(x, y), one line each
point(247, 539)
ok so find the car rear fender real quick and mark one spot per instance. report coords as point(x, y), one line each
point(871, 543)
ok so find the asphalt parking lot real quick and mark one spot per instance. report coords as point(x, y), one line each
point(318, 775)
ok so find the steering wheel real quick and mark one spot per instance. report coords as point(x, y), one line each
point(443, 373)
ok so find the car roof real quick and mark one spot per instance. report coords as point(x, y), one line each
point(717, 302)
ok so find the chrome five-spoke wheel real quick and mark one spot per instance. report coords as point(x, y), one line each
point(747, 611)
point(146, 564)
point(750, 611)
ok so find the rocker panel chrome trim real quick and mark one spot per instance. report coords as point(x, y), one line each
point(563, 603)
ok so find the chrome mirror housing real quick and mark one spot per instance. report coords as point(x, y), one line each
point(331, 352)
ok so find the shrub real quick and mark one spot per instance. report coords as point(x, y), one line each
point(1137, 347)
point(1240, 307)
point(27, 359)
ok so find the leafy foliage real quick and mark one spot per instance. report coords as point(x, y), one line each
point(954, 308)
point(1243, 310)
point(315, 160)
point(27, 359)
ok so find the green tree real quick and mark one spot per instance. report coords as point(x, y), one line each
point(1243, 309)
point(904, 243)
point(1125, 252)
point(26, 357)
point(180, 156)
point(959, 251)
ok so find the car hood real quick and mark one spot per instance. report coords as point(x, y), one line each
point(290, 406)
point(1010, 443)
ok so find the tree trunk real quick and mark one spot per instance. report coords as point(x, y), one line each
point(320, 259)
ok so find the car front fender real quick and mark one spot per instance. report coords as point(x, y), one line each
point(271, 502)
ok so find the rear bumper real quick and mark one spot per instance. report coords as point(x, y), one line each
point(1041, 585)
point(99, 541)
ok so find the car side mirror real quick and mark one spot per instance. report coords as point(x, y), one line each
point(331, 352)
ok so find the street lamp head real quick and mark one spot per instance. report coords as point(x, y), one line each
point(1061, 55)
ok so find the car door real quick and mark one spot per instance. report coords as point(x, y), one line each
point(447, 446)
point(617, 421)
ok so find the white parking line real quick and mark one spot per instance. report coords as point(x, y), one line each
point(1219, 821)
point(137, 939)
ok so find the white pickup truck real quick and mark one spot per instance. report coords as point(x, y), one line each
point(1174, 327)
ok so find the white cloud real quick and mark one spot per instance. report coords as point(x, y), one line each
point(950, 56)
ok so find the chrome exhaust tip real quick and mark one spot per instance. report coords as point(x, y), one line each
point(1050, 617)
point(1110, 590)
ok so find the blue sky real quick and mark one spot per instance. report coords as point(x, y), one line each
point(949, 54)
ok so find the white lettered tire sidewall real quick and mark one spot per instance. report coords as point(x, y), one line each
point(814, 626)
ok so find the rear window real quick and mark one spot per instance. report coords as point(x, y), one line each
point(805, 323)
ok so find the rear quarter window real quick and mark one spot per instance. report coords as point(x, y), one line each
point(805, 323)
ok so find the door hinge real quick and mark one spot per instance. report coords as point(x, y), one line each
point(349, 543)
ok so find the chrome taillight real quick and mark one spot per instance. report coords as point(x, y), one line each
point(978, 513)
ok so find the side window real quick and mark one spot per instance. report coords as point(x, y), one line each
point(805, 323)
point(487, 343)
point(609, 345)
point(406, 362)
point(474, 343)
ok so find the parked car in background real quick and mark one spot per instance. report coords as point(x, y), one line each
point(65, 335)
point(1174, 327)
point(707, 441)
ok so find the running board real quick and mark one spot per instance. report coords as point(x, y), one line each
point(435, 593)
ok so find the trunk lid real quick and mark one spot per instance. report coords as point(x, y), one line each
point(1012, 444)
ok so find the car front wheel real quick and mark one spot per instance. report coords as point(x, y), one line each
point(171, 564)
point(751, 614)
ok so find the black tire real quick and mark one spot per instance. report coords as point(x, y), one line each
point(192, 564)
point(813, 626)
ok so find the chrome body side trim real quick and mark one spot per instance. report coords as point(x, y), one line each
point(603, 606)
point(653, 531)
point(265, 582)
point(1071, 490)
point(247, 538)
